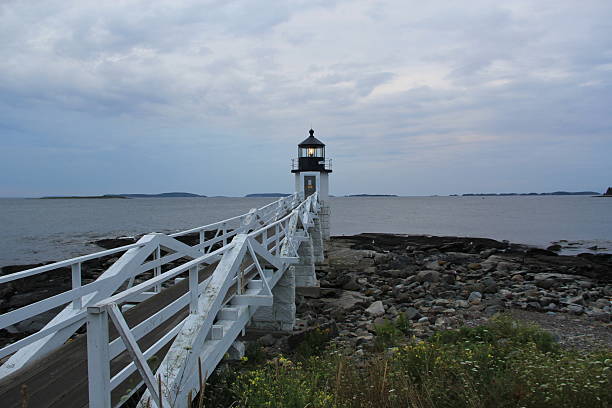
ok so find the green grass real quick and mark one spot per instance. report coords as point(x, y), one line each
point(502, 364)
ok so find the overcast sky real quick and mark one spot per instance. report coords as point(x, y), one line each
point(212, 97)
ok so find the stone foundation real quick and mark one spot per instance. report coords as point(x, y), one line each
point(317, 241)
point(281, 315)
point(305, 270)
point(324, 216)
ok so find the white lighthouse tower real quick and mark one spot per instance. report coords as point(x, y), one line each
point(312, 171)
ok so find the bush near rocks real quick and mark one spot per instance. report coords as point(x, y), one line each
point(501, 364)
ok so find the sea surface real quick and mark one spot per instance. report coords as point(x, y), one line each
point(34, 230)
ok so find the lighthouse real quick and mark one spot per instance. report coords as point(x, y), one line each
point(311, 170)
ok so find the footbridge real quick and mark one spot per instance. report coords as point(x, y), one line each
point(155, 323)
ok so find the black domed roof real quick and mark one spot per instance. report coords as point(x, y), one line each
point(311, 140)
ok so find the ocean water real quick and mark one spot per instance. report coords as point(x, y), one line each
point(33, 230)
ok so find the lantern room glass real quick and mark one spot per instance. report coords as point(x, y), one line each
point(311, 152)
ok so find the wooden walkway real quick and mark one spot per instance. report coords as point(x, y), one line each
point(176, 329)
point(59, 380)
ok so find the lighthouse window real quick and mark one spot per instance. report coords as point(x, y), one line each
point(311, 152)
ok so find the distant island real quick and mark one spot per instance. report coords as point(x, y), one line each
point(126, 196)
point(371, 195)
point(556, 193)
point(99, 197)
point(163, 195)
point(267, 195)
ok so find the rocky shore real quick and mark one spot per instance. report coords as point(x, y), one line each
point(436, 282)
point(440, 283)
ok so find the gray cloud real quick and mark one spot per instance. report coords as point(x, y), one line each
point(398, 90)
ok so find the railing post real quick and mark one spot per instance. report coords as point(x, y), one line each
point(193, 290)
point(98, 358)
point(76, 283)
point(202, 240)
point(277, 240)
point(157, 270)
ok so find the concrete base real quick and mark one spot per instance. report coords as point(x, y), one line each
point(317, 241)
point(324, 215)
point(281, 315)
point(305, 270)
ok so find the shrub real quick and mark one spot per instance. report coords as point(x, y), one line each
point(391, 333)
point(500, 330)
point(284, 383)
point(314, 342)
point(502, 364)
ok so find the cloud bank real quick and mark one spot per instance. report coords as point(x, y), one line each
point(213, 96)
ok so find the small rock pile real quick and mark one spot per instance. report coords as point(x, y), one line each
point(443, 282)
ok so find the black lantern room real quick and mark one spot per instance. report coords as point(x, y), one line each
point(311, 155)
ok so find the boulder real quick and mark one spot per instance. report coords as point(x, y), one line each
point(428, 276)
point(351, 284)
point(347, 300)
point(267, 340)
point(412, 313)
point(545, 283)
point(507, 266)
point(489, 285)
point(475, 298)
point(376, 309)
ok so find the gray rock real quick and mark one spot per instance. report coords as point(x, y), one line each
point(551, 306)
point(461, 257)
point(435, 266)
point(461, 303)
point(347, 300)
point(545, 283)
point(352, 284)
point(475, 298)
point(361, 340)
point(578, 300)
point(412, 313)
point(405, 297)
point(507, 266)
point(534, 306)
point(489, 285)
point(575, 309)
point(442, 302)
point(558, 277)
point(428, 276)
point(267, 340)
point(380, 258)
point(376, 309)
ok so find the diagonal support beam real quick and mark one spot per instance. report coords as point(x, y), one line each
point(181, 360)
point(261, 251)
point(115, 275)
point(136, 355)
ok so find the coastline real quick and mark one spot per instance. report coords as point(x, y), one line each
point(401, 270)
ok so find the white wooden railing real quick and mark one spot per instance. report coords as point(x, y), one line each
point(135, 259)
point(249, 253)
